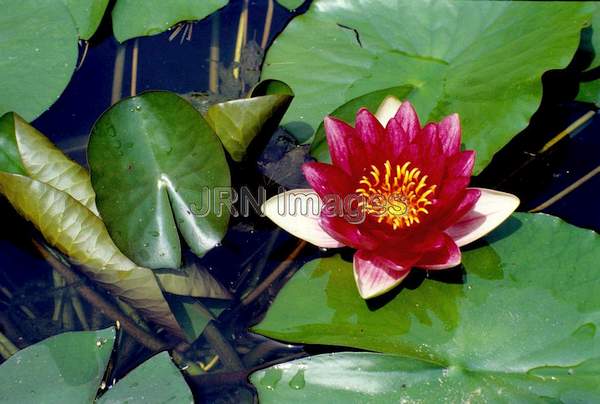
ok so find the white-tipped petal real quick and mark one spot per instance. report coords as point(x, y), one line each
point(375, 276)
point(492, 208)
point(387, 109)
point(297, 212)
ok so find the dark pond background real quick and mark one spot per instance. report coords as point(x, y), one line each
point(253, 247)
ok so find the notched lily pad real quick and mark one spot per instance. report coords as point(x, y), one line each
point(158, 169)
point(516, 323)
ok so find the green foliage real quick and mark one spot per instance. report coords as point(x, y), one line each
point(483, 60)
point(87, 15)
point(66, 368)
point(518, 324)
point(69, 367)
point(157, 168)
point(39, 52)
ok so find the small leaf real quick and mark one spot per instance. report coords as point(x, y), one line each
point(87, 15)
point(158, 15)
point(38, 54)
point(78, 233)
point(66, 368)
point(157, 380)
point(158, 168)
point(238, 122)
point(39, 159)
point(193, 315)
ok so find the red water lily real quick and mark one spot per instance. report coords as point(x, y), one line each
point(409, 182)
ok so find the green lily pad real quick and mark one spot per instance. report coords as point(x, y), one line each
point(133, 18)
point(238, 122)
point(87, 15)
point(519, 324)
point(347, 113)
point(483, 60)
point(155, 381)
point(66, 368)
point(158, 168)
point(39, 52)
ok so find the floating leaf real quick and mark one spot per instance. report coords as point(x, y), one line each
point(291, 5)
point(133, 18)
point(38, 54)
point(155, 381)
point(481, 59)
point(518, 324)
point(26, 151)
point(347, 112)
point(87, 15)
point(157, 167)
point(78, 233)
point(194, 316)
point(66, 368)
point(238, 122)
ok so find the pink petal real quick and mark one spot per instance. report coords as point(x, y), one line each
point(445, 256)
point(465, 205)
point(339, 139)
point(375, 275)
point(347, 232)
point(408, 119)
point(297, 212)
point(492, 208)
point(449, 134)
point(387, 109)
point(397, 138)
point(461, 164)
point(327, 180)
point(371, 133)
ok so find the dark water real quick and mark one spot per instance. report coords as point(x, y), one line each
point(253, 247)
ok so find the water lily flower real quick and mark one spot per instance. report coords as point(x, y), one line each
point(409, 182)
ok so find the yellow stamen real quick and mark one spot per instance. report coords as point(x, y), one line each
point(399, 201)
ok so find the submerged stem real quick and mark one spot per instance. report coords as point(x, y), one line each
point(281, 268)
point(108, 309)
point(7, 348)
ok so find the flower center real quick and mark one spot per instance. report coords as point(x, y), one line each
point(398, 197)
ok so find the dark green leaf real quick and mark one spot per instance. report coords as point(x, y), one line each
point(38, 49)
point(133, 18)
point(66, 368)
point(481, 59)
point(87, 15)
point(238, 122)
point(518, 324)
point(157, 167)
point(192, 280)
point(155, 381)
point(347, 113)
